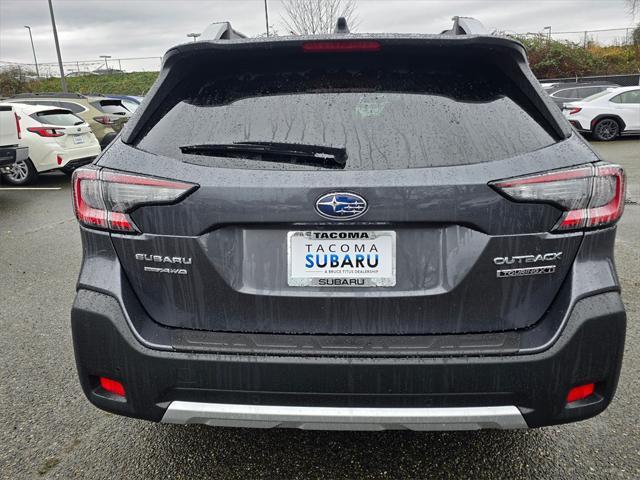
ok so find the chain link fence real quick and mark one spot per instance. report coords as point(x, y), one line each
point(84, 67)
point(603, 37)
point(622, 80)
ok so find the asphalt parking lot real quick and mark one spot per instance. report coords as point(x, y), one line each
point(49, 430)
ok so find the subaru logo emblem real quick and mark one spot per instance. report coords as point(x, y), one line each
point(341, 206)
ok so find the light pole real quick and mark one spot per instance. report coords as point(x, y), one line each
point(266, 16)
point(106, 65)
point(35, 60)
point(194, 35)
point(63, 81)
point(548, 33)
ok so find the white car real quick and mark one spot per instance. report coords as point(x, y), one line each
point(57, 140)
point(608, 114)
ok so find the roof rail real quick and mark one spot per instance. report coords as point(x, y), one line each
point(48, 94)
point(220, 31)
point(466, 26)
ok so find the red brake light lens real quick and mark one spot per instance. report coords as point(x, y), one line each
point(591, 196)
point(573, 111)
point(18, 125)
point(112, 386)
point(581, 392)
point(46, 132)
point(104, 120)
point(341, 46)
point(104, 199)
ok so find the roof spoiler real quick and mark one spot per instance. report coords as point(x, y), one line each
point(466, 26)
point(220, 31)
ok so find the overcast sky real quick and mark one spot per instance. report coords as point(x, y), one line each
point(140, 28)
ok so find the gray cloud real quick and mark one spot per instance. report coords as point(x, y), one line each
point(143, 28)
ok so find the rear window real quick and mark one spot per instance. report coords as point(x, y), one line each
point(385, 117)
point(62, 118)
point(114, 107)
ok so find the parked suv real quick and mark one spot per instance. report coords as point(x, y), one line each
point(57, 140)
point(105, 116)
point(349, 232)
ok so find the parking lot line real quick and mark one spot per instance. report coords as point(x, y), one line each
point(30, 188)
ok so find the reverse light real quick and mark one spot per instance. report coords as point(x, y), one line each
point(581, 392)
point(591, 196)
point(46, 132)
point(341, 46)
point(103, 199)
point(112, 386)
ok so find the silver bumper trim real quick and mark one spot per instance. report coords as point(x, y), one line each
point(344, 418)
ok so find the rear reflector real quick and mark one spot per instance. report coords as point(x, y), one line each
point(581, 392)
point(59, 159)
point(112, 386)
point(591, 196)
point(341, 46)
point(103, 199)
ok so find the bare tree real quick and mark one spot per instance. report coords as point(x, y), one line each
point(634, 7)
point(309, 17)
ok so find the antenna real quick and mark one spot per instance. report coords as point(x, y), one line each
point(341, 26)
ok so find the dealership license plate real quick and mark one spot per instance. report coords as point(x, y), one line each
point(341, 258)
point(78, 139)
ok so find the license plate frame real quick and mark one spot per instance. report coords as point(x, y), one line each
point(78, 139)
point(347, 273)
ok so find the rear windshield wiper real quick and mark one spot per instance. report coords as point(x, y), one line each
point(296, 153)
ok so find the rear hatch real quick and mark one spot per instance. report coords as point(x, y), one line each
point(69, 130)
point(117, 113)
point(398, 139)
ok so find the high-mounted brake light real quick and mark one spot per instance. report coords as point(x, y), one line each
point(341, 46)
point(591, 196)
point(103, 199)
point(46, 132)
point(19, 130)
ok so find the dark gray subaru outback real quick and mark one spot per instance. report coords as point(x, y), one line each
point(349, 232)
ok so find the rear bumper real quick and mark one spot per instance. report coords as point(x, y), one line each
point(358, 392)
point(10, 155)
point(344, 418)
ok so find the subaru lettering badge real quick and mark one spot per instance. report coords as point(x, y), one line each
point(341, 206)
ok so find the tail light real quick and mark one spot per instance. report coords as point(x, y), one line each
point(591, 196)
point(574, 110)
point(46, 131)
point(18, 129)
point(104, 120)
point(103, 199)
point(341, 46)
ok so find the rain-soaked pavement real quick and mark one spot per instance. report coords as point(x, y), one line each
point(49, 430)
